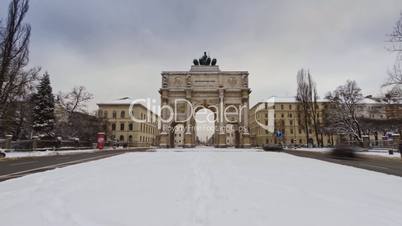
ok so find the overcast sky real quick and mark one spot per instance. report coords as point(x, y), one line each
point(118, 48)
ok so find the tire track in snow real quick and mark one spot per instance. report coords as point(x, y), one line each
point(203, 192)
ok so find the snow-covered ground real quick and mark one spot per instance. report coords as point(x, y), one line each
point(20, 154)
point(313, 149)
point(382, 153)
point(184, 188)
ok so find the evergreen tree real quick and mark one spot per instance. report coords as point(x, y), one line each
point(43, 109)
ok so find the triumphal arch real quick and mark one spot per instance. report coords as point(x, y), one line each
point(225, 93)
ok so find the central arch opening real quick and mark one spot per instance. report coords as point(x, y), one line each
point(205, 127)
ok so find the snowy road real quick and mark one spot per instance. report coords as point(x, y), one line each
point(203, 188)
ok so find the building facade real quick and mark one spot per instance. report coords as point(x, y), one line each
point(376, 109)
point(123, 129)
point(278, 122)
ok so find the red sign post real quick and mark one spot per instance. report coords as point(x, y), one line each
point(100, 141)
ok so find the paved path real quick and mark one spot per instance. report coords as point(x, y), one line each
point(12, 168)
point(391, 166)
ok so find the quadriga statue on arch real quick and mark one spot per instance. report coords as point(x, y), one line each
point(205, 61)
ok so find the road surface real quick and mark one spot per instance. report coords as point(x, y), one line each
point(391, 166)
point(12, 168)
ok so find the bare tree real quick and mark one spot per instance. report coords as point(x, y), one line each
point(22, 128)
point(77, 122)
point(394, 75)
point(303, 96)
point(395, 40)
point(393, 95)
point(74, 101)
point(344, 103)
point(326, 126)
point(314, 109)
point(309, 109)
point(14, 57)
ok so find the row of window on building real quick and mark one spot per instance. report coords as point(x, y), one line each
point(104, 114)
point(143, 127)
point(291, 131)
point(282, 115)
point(294, 141)
point(143, 139)
point(282, 107)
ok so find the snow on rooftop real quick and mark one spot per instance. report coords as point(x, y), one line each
point(287, 99)
point(283, 99)
point(370, 101)
point(123, 100)
point(126, 101)
point(276, 99)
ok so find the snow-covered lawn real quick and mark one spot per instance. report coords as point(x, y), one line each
point(203, 188)
point(20, 154)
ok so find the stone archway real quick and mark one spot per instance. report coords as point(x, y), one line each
point(224, 92)
point(204, 124)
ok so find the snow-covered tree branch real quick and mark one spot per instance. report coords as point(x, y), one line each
point(395, 40)
point(344, 103)
point(74, 101)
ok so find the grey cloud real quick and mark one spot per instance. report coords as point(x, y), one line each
point(125, 44)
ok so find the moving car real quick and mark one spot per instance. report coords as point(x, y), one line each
point(345, 151)
point(273, 147)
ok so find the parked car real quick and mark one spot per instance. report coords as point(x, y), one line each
point(2, 154)
point(273, 147)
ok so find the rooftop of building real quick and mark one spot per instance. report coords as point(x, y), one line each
point(290, 100)
point(119, 101)
point(124, 101)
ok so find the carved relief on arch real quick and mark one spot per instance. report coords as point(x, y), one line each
point(232, 81)
point(164, 81)
point(178, 81)
point(188, 81)
point(245, 81)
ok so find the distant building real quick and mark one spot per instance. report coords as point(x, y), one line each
point(282, 115)
point(179, 135)
point(375, 108)
point(393, 111)
point(281, 124)
point(230, 135)
point(372, 109)
point(123, 129)
point(76, 125)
